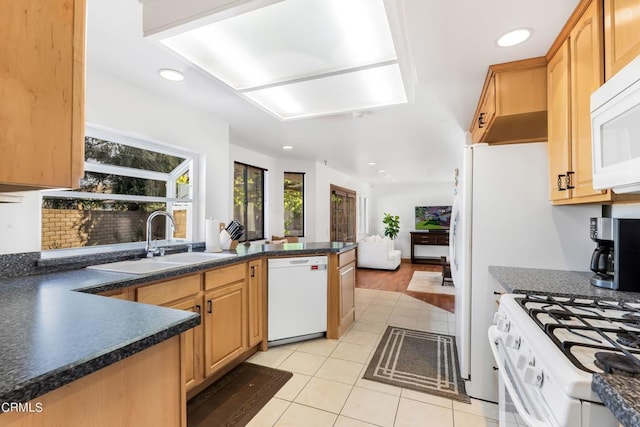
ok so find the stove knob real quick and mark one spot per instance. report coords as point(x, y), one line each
point(522, 361)
point(498, 317)
point(512, 342)
point(504, 325)
point(533, 376)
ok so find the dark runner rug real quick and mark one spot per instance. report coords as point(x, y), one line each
point(418, 360)
point(235, 398)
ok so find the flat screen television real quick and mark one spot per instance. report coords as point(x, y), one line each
point(433, 217)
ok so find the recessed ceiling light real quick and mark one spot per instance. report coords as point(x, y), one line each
point(514, 37)
point(380, 170)
point(172, 75)
point(372, 163)
point(394, 180)
point(287, 147)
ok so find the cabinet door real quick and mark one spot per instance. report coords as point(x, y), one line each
point(256, 302)
point(621, 34)
point(487, 112)
point(42, 91)
point(224, 325)
point(559, 125)
point(586, 76)
point(191, 343)
point(347, 293)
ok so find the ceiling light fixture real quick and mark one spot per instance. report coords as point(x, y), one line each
point(287, 147)
point(372, 163)
point(350, 65)
point(171, 74)
point(514, 37)
point(380, 170)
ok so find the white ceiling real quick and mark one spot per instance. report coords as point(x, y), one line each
point(451, 42)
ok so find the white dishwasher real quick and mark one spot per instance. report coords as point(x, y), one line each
point(297, 299)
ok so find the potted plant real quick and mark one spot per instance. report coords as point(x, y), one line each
point(392, 225)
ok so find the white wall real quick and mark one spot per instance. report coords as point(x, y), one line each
point(20, 224)
point(401, 200)
point(325, 176)
point(131, 110)
point(626, 211)
point(318, 178)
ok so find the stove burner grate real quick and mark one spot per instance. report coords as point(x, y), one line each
point(628, 339)
point(616, 363)
point(632, 318)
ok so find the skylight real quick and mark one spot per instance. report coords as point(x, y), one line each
point(301, 58)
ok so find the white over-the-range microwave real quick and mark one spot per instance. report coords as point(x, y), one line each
point(615, 130)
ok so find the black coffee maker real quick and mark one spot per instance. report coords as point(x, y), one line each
point(616, 258)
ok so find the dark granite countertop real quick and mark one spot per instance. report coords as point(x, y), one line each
point(554, 282)
point(621, 394)
point(51, 335)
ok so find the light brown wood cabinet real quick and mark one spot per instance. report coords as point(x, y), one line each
point(142, 390)
point(225, 316)
point(183, 293)
point(256, 295)
point(342, 284)
point(42, 91)
point(513, 103)
point(621, 34)
point(575, 70)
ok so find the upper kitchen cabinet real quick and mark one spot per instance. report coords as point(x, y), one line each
point(42, 92)
point(575, 70)
point(513, 103)
point(621, 34)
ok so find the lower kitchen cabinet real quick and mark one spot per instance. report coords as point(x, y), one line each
point(342, 284)
point(225, 314)
point(256, 295)
point(141, 390)
point(192, 344)
point(182, 294)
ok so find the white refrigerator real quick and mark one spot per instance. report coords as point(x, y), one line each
point(502, 216)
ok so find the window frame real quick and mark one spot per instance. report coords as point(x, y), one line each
point(190, 164)
point(304, 202)
point(244, 221)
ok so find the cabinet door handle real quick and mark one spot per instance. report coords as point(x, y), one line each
point(481, 121)
point(209, 306)
point(198, 309)
point(568, 180)
point(253, 272)
point(498, 293)
point(560, 179)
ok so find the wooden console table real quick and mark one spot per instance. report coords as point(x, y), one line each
point(430, 238)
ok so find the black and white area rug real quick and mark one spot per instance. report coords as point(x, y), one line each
point(418, 360)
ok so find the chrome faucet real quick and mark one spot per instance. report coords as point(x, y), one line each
point(154, 251)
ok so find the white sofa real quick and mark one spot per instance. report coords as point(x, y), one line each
point(377, 252)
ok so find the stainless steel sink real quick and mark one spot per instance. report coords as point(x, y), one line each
point(194, 257)
point(138, 266)
point(157, 264)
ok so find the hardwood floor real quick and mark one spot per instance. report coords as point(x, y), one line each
point(398, 281)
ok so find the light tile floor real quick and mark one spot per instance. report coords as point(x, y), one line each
point(327, 388)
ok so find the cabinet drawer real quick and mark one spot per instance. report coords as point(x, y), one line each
point(423, 239)
point(441, 240)
point(171, 290)
point(346, 257)
point(225, 275)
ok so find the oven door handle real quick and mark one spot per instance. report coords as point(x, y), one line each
point(494, 336)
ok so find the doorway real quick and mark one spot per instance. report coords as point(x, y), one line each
point(343, 214)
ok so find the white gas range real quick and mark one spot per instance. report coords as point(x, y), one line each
point(547, 349)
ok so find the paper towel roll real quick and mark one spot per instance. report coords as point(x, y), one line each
point(212, 235)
